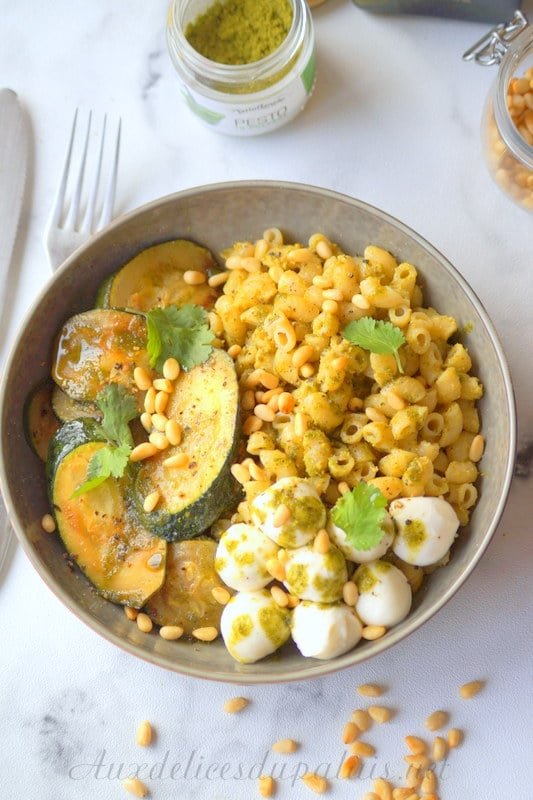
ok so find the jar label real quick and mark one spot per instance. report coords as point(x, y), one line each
point(251, 117)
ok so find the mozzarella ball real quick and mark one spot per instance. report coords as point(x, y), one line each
point(306, 512)
point(241, 557)
point(426, 528)
point(338, 535)
point(384, 594)
point(315, 576)
point(253, 626)
point(324, 631)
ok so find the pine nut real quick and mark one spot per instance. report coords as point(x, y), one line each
point(158, 439)
point(477, 447)
point(144, 734)
point(374, 414)
point(439, 748)
point(163, 385)
point(416, 745)
point(207, 634)
point(343, 487)
point(146, 421)
point(173, 432)
point(307, 370)
point(333, 294)
point(131, 613)
point(276, 569)
point(235, 704)
point(437, 720)
point(171, 369)
point(412, 778)
point(266, 786)
point(350, 767)
point(159, 421)
point(323, 249)
point(234, 262)
point(280, 597)
point(48, 523)
point(149, 400)
point(395, 400)
point(219, 279)
point(470, 689)
point(371, 796)
point(317, 783)
point(330, 307)
point(292, 601)
point(455, 737)
point(373, 632)
point(256, 472)
point(363, 749)
point(350, 594)
point(142, 379)
point(221, 595)
point(135, 787)
point(380, 714)
point(383, 789)
point(285, 402)
point(240, 473)
point(361, 719)
point(359, 301)
point(370, 690)
point(248, 400)
point(404, 793)
point(302, 355)
point(251, 425)
point(180, 460)
point(194, 277)
point(285, 746)
point(151, 500)
point(261, 248)
point(418, 760)
point(142, 451)
point(429, 782)
point(144, 623)
point(161, 402)
point(264, 412)
point(171, 632)
point(350, 733)
point(321, 543)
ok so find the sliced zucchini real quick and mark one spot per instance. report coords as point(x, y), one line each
point(99, 347)
point(205, 402)
point(40, 422)
point(67, 409)
point(154, 278)
point(186, 598)
point(124, 562)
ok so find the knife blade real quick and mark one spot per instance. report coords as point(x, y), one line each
point(14, 154)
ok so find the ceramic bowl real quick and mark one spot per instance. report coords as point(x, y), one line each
point(217, 215)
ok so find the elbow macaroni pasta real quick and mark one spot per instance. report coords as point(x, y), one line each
point(339, 413)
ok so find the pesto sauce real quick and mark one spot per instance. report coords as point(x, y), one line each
point(273, 622)
point(414, 534)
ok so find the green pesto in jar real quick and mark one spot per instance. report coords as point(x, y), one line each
point(240, 31)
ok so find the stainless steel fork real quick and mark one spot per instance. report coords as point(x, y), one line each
point(72, 219)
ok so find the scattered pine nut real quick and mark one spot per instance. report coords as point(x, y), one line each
point(240, 473)
point(207, 634)
point(135, 787)
point(142, 451)
point(404, 793)
point(151, 500)
point(321, 543)
point(159, 421)
point(429, 782)
point(417, 760)
point(363, 749)
point(437, 720)
point(455, 737)
point(373, 632)
point(171, 369)
point(280, 597)
point(383, 789)
point(219, 279)
point(48, 523)
point(350, 733)
point(350, 593)
point(439, 748)
point(146, 421)
point(235, 704)
point(194, 277)
point(285, 746)
point(159, 440)
point(416, 745)
point(350, 767)
point(361, 719)
point(380, 714)
point(264, 412)
point(163, 385)
point(173, 432)
point(149, 400)
point(285, 402)
point(477, 447)
point(131, 613)
point(180, 460)
point(161, 402)
point(317, 783)
point(144, 734)
point(171, 632)
point(281, 516)
point(412, 777)
point(470, 689)
point(144, 623)
point(267, 786)
point(276, 569)
point(370, 690)
point(142, 379)
point(221, 595)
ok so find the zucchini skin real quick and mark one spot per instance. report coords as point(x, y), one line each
point(40, 420)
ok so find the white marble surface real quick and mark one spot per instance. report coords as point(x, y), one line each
point(394, 120)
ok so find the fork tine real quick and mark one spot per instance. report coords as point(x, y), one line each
point(109, 200)
point(76, 197)
point(60, 198)
point(91, 205)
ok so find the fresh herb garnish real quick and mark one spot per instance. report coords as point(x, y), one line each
point(360, 513)
point(377, 336)
point(180, 333)
point(118, 409)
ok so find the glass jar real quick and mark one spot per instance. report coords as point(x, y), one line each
point(507, 123)
point(244, 99)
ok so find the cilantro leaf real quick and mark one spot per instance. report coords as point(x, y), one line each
point(360, 513)
point(180, 333)
point(377, 336)
point(118, 409)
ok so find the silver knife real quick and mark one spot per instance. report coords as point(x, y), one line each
point(14, 153)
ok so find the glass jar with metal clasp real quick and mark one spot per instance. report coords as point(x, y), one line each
point(507, 125)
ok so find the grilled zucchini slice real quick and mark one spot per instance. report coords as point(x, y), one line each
point(40, 421)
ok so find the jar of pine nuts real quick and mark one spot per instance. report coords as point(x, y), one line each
point(507, 124)
point(244, 67)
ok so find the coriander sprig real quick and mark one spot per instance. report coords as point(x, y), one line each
point(361, 513)
point(180, 333)
point(377, 336)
